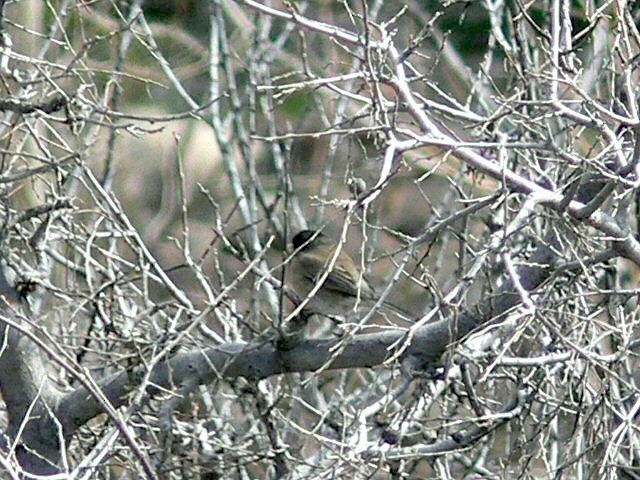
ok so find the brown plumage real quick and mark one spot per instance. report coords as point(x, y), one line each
point(343, 285)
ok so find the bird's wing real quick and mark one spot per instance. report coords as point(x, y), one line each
point(342, 279)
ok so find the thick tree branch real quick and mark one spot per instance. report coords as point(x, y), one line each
point(263, 359)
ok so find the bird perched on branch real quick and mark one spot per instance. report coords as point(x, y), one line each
point(343, 286)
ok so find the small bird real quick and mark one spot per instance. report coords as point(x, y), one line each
point(344, 284)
